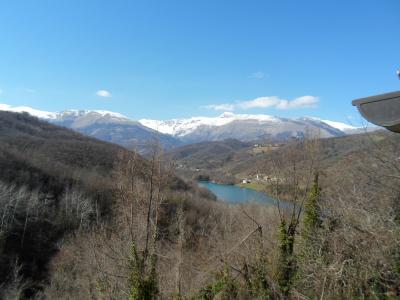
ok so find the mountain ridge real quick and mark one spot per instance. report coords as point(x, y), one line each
point(140, 134)
point(184, 126)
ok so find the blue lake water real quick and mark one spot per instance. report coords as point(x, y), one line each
point(235, 194)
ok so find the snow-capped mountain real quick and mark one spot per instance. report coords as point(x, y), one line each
point(246, 127)
point(104, 125)
point(182, 127)
point(117, 128)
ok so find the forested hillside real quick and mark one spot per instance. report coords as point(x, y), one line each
point(43, 168)
point(53, 181)
point(237, 160)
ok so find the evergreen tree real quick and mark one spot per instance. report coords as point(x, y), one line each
point(143, 277)
point(312, 219)
point(287, 261)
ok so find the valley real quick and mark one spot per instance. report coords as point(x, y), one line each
point(101, 193)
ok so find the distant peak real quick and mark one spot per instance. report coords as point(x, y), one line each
point(110, 113)
point(104, 113)
point(241, 117)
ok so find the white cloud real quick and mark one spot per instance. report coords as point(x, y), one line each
point(257, 75)
point(300, 102)
point(104, 94)
point(267, 102)
point(30, 91)
point(224, 107)
point(261, 102)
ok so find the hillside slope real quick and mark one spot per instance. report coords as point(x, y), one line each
point(40, 166)
point(33, 152)
point(55, 182)
point(219, 161)
point(114, 128)
point(207, 155)
point(104, 125)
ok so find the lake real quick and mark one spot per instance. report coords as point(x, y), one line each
point(235, 194)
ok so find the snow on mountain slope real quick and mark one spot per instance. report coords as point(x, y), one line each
point(337, 125)
point(182, 127)
point(341, 126)
point(103, 113)
point(33, 112)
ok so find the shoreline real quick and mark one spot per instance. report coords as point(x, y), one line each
point(253, 186)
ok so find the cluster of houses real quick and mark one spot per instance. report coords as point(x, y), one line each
point(260, 178)
point(272, 145)
point(263, 148)
point(182, 166)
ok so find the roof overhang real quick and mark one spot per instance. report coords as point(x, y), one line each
point(382, 110)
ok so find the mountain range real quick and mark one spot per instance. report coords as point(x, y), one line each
point(117, 128)
point(246, 128)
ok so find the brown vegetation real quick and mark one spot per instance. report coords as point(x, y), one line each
point(159, 237)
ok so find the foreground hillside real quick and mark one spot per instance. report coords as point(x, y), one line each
point(48, 153)
point(346, 244)
point(44, 167)
point(53, 182)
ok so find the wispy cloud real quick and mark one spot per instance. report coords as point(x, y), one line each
point(30, 91)
point(1, 91)
point(224, 107)
point(300, 102)
point(104, 94)
point(268, 102)
point(257, 75)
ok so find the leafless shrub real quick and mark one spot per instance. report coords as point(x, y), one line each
point(15, 288)
point(203, 245)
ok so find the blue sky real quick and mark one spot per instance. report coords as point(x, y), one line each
point(167, 59)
